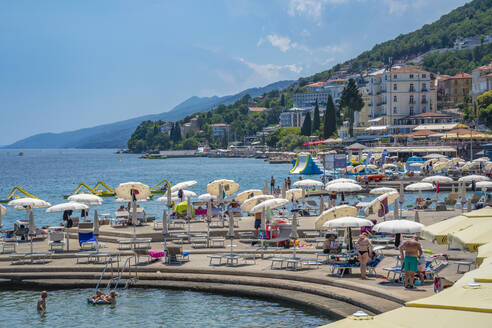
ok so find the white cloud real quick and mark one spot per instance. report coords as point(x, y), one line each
point(270, 71)
point(310, 8)
point(281, 42)
point(337, 48)
point(398, 7)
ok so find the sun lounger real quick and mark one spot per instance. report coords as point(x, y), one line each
point(217, 242)
point(8, 247)
point(87, 241)
point(84, 255)
point(57, 240)
point(177, 224)
point(198, 242)
point(134, 243)
point(176, 255)
point(142, 253)
point(215, 259)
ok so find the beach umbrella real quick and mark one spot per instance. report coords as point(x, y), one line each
point(437, 179)
point(417, 218)
point(396, 213)
point(430, 156)
point(186, 194)
point(220, 195)
point(164, 228)
point(182, 185)
point(398, 226)
point(341, 180)
point(132, 191)
point(169, 198)
point(375, 204)
point(347, 222)
point(228, 187)
point(333, 213)
point(3, 211)
point(284, 190)
point(28, 203)
point(87, 199)
point(303, 192)
point(381, 190)
point(252, 202)
point(484, 184)
point(69, 206)
point(321, 204)
point(420, 186)
point(269, 204)
point(452, 188)
point(343, 187)
point(308, 183)
point(402, 195)
point(293, 234)
point(242, 196)
point(189, 214)
point(473, 177)
point(295, 193)
point(207, 197)
point(389, 166)
point(266, 189)
point(96, 223)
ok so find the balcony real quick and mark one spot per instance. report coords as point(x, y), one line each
point(425, 89)
point(412, 89)
point(411, 102)
point(424, 101)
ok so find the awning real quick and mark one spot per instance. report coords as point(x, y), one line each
point(374, 120)
point(377, 128)
point(447, 126)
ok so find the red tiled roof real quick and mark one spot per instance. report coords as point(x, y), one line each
point(427, 114)
point(421, 133)
point(316, 84)
point(258, 109)
point(219, 124)
point(461, 76)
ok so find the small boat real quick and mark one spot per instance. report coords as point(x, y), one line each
point(21, 154)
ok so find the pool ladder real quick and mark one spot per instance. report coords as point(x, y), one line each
point(132, 275)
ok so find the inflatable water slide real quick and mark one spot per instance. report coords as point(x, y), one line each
point(304, 163)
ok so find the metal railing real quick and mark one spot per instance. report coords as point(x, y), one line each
point(130, 280)
point(108, 262)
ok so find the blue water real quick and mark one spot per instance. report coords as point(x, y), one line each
point(50, 174)
point(151, 308)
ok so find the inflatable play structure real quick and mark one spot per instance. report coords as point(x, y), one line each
point(304, 163)
point(13, 194)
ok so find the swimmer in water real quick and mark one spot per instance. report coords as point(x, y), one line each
point(99, 296)
point(42, 302)
point(111, 298)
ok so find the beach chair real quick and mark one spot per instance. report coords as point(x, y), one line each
point(87, 241)
point(142, 253)
point(371, 265)
point(176, 255)
point(56, 240)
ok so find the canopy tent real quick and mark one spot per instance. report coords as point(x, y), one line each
point(484, 251)
point(478, 234)
point(333, 213)
point(438, 232)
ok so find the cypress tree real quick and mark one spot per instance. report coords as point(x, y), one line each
point(351, 101)
point(282, 100)
point(316, 119)
point(330, 118)
point(306, 126)
point(178, 133)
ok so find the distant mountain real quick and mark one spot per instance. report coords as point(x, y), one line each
point(115, 135)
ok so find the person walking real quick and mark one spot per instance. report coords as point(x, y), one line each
point(272, 185)
point(410, 253)
point(289, 182)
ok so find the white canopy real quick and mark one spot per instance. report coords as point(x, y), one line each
point(341, 180)
point(348, 222)
point(484, 184)
point(343, 187)
point(186, 194)
point(70, 206)
point(88, 199)
point(183, 185)
point(398, 226)
point(207, 197)
point(308, 183)
point(293, 194)
point(333, 213)
point(434, 156)
point(3, 210)
point(242, 196)
point(123, 191)
point(248, 204)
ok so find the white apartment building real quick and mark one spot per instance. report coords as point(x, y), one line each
point(398, 92)
point(293, 117)
point(481, 80)
point(308, 100)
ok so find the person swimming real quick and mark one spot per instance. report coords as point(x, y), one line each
point(99, 296)
point(111, 298)
point(41, 306)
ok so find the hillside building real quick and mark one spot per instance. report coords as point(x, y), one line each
point(293, 117)
point(219, 129)
point(453, 89)
point(481, 80)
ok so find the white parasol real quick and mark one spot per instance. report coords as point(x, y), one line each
point(473, 177)
point(269, 204)
point(186, 194)
point(348, 222)
point(27, 203)
point(484, 184)
point(124, 191)
point(183, 185)
point(207, 197)
point(228, 186)
point(308, 183)
point(295, 193)
point(398, 226)
point(96, 223)
point(343, 187)
point(242, 196)
point(87, 199)
point(381, 190)
point(419, 186)
point(341, 180)
point(3, 211)
point(333, 213)
point(252, 202)
point(70, 206)
point(437, 179)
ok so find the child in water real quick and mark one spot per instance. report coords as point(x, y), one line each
point(99, 296)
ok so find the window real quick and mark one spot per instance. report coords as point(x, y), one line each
point(412, 89)
point(424, 76)
point(395, 86)
point(412, 112)
point(395, 99)
point(395, 76)
point(412, 100)
point(411, 76)
point(424, 87)
point(424, 109)
point(395, 110)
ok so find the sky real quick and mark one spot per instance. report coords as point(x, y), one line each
point(69, 64)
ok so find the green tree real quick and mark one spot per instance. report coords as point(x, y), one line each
point(306, 125)
point(316, 119)
point(351, 102)
point(190, 143)
point(282, 100)
point(329, 119)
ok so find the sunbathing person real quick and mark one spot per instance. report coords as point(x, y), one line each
point(330, 246)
